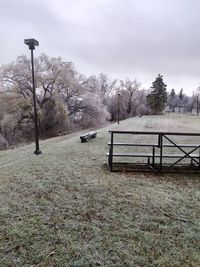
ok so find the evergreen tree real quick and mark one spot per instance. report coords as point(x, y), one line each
point(181, 94)
point(172, 100)
point(172, 93)
point(158, 97)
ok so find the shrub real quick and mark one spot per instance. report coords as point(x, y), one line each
point(3, 143)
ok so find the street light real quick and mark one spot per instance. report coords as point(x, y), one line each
point(31, 44)
point(118, 108)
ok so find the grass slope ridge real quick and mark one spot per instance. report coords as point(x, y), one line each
point(64, 207)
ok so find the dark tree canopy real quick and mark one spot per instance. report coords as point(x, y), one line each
point(181, 94)
point(158, 97)
point(172, 93)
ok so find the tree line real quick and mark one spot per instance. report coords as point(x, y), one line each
point(68, 101)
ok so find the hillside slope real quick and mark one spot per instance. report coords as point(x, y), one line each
point(65, 208)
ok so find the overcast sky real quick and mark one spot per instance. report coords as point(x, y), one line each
point(123, 38)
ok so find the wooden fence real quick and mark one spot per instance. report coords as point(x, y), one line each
point(154, 151)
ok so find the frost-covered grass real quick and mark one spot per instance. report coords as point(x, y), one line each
point(65, 208)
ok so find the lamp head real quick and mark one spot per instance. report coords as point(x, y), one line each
point(31, 43)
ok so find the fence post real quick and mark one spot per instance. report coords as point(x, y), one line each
point(111, 152)
point(161, 149)
point(199, 158)
point(153, 156)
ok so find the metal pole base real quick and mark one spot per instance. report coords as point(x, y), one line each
point(37, 152)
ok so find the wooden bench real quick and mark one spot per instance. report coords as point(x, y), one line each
point(87, 136)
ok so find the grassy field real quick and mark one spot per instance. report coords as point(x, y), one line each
point(65, 208)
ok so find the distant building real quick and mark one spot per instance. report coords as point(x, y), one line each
point(179, 109)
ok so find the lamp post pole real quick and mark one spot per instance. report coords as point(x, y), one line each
point(118, 108)
point(31, 44)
